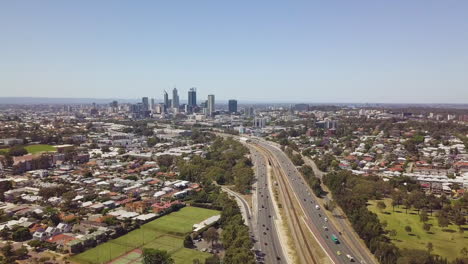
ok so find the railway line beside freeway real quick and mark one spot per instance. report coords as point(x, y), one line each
point(340, 247)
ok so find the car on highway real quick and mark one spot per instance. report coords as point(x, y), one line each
point(350, 257)
point(338, 253)
point(335, 239)
point(317, 207)
point(325, 228)
point(326, 219)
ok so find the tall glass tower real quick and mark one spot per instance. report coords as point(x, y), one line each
point(192, 97)
point(175, 98)
point(211, 104)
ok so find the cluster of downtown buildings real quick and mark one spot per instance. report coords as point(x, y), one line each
point(173, 105)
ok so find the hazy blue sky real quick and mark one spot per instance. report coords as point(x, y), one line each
point(315, 51)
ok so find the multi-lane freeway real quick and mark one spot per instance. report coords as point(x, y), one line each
point(345, 246)
point(267, 235)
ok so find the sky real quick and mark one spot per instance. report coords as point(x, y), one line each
point(359, 51)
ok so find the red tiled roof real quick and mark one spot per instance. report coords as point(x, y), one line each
point(61, 238)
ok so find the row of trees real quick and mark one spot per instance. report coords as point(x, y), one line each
point(295, 158)
point(365, 223)
point(10, 255)
point(410, 196)
point(235, 235)
point(312, 180)
point(352, 192)
point(326, 162)
point(225, 163)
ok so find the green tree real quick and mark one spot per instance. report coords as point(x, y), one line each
point(426, 227)
point(21, 234)
point(212, 260)
point(407, 204)
point(429, 247)
point(423, 216)
point(443, 220)
point(153, 141)
point(381, 205)
point(239, 256)
point(165, 161)
point(188, 241)
point(5, 233)
point(211, 235)
point(464, 252)
point(17, 151)
point(21, 252)
point(408, 229)
point(7, 251)
point(156, 256)
point(105, 149)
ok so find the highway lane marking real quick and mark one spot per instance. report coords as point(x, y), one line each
point(313, 234)
point(304, 213)
point(273, 222)
point(344, 224)
point(302, 208)
point(275, 209)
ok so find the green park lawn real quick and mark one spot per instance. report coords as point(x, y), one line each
point(447, 241)
point(182, 221)
point(33, 149)
point(186, 256)
point(157, 234)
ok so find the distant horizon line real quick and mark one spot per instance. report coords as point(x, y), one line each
point(89, 100)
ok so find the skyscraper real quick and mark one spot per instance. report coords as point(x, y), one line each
point(144, 100)
point(166, 99)
point(192, 97)
point(211, 105)
point(175, 98)
point(232, 106)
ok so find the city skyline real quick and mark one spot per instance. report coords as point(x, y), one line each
point(407, 52)
point(237, 132)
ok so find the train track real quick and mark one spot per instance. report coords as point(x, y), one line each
point(303, 248)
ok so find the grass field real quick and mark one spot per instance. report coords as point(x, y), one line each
point(447, 241)
point(181, 221)
point(33, 149)
point(155, 234)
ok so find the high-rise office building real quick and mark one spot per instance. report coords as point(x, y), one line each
point(249, 111)
point(232, 106)
point(159, 108)
point(211, 105)
point(145, 102)
point(152, 104)
point(260, 122)
point(192, 97)
point(175, 98)
point(166, 100)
